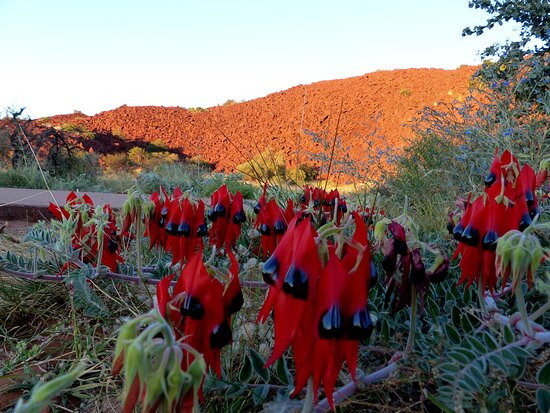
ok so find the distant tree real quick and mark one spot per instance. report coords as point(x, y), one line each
point(525, 62)
point(532, 15)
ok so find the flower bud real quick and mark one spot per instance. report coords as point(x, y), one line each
point(155, 383)
point(126, 333)
point(418, 271)
point(439, 269)
point(379, 230)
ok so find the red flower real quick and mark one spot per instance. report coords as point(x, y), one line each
point(321, 313)
point(154, 224)
point(227, 216)
point(509, 203)
point(324, 203)
point(84, 237)
point(200, 308)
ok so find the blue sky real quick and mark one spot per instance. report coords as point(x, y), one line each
point(92, 55)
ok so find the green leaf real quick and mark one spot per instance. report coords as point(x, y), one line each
point(520, 352)
point(448, 377)
point(459, 357)
point(518, 371)
point(282, 371)
point(499, 363)
point(478, 374)
point(471, 355)
point(490, 341)
point(450, 367)
point(246, 370)
point(258, 365)
point(456, 316)
point(433, 309)
point(510, 357)
point(477, 345)
point(84, 297)
point(543, 400)
point(467, 297)
point(467, 324)
point(385, 332)
point(452, 334)
point(259, 394)
point(235, 390)
point(439, 404)
point(509, 336)
point(543, 375)
point(472, 382)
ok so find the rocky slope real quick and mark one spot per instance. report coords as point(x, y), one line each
point(229, 135)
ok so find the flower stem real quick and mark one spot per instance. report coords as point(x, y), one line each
point(481, 296)
point(541, 311)
point(523, 310)
point(412, 331)
point(138, 250)
point(99, 251)
point(308, 400)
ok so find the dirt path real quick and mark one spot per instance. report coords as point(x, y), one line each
point(31, 205)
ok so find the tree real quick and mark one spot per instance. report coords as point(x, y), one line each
point(524, 62)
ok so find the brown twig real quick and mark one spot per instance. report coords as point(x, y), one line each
point(109, 275)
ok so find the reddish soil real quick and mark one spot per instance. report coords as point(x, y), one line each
point(229, 135)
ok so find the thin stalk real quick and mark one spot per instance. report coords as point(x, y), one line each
point(308, 400)
point(520, 300)
point(481, 296)
point(412, 330)
point(76, 346)
point(111, 275)
point(540, 312)
point(138, 251)
point(99, 250)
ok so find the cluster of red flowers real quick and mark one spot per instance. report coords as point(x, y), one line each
point(227, 215)
point(85, 237)
point(177, 224)
point(324, 202)
point(318, 293)
point(200, 308)
point(509, 203)
point(272, 222)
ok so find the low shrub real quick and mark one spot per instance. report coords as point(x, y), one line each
point(115, 161)
point(22, 177)
point(234, 182)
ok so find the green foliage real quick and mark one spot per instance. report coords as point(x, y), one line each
point(156, 146)
point(84, 297)
point(234, 183)
point(78, 129)
point(524, 60)
point(65, 164)
point(543, 394)
point(197, 109)
point(21, 177)
point(532, 15)
point(474, 366)
point(43, 393)
point(139, 157)
point(270, 166)
point(115, 161)
point(454, 146)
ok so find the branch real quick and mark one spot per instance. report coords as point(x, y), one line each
point(109, 275)
point(349, 389)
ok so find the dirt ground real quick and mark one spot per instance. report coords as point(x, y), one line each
point(11, 233)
